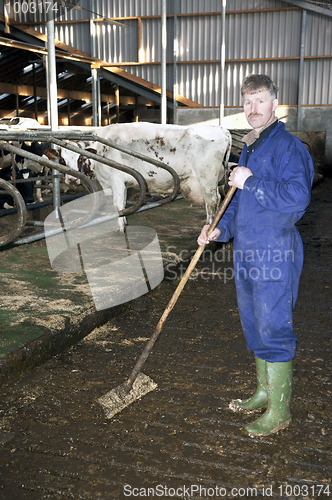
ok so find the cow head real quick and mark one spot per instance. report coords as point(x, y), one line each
point(54, 155)
point(84, 164)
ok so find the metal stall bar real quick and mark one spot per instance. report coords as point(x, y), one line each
point(124, 149)
point(119, 147)
point(53, 165)
point(47, 163)
point(55, 136)
point(93, 222)
point(16, 230)
point(73, 136)
point(110, 163)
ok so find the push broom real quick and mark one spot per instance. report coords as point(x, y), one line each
point(139, 384)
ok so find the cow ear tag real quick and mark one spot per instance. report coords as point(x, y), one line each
point(119, 266)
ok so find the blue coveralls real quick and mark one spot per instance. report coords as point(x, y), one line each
point(268, 250)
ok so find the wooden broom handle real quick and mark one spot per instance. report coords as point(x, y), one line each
point(176, 294)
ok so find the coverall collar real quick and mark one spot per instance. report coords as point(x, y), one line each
point(250, 138)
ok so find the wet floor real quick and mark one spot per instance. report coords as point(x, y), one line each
point(37, 301)
point(180, 440)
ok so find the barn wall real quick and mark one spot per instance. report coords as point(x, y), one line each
point(257, 40)
point(261, 36)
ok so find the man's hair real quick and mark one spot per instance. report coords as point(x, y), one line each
point(255, 83)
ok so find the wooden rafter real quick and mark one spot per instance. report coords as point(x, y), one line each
point(72, 51)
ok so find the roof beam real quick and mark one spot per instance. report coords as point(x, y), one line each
point(310, 6)
point(112, 77)
point(142, 87)
point(40, 50)
point(116, 75)
point(27, 90)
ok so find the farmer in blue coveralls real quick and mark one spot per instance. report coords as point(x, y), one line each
point(274, 178)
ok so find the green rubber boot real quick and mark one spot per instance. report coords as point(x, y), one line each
point(277, 415)
point(259, 398)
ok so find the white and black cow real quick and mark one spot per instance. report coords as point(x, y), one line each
point(199, 155)
point(24, 169)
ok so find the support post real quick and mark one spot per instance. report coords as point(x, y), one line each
point(163, 63)
point(68, 111)
point(35, 91)
point(176, 55)
point(140, 40)
point(301, 70)
point(94, 75)
point(117, 103)
point(17, 104)
point(94, 96)
point(7, 8)
point(52, 83)
point(53, 102)
point(222, 63)
point(98, 100)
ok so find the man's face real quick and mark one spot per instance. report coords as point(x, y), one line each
point(259, 109)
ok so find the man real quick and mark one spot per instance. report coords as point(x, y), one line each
point(273, 182)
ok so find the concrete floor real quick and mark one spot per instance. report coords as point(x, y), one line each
point(180, 440)
point(43, 311)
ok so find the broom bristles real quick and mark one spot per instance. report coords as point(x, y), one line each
point(117, 399)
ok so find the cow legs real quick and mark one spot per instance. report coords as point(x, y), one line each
point(212, 200)
point(38, 191)
point(119, 193)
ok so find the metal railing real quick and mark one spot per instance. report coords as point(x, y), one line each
point(61, 138)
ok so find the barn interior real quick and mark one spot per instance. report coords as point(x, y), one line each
point(123, 96)
point(23, 82)
point(58, 354)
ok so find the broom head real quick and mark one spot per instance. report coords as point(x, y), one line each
point(117, 399)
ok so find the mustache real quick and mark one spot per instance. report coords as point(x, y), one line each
point(254, 114)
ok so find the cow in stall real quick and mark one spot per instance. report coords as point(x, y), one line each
point(12, 166)
point(24, 169)
point(198, 154)
point(29, 168)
